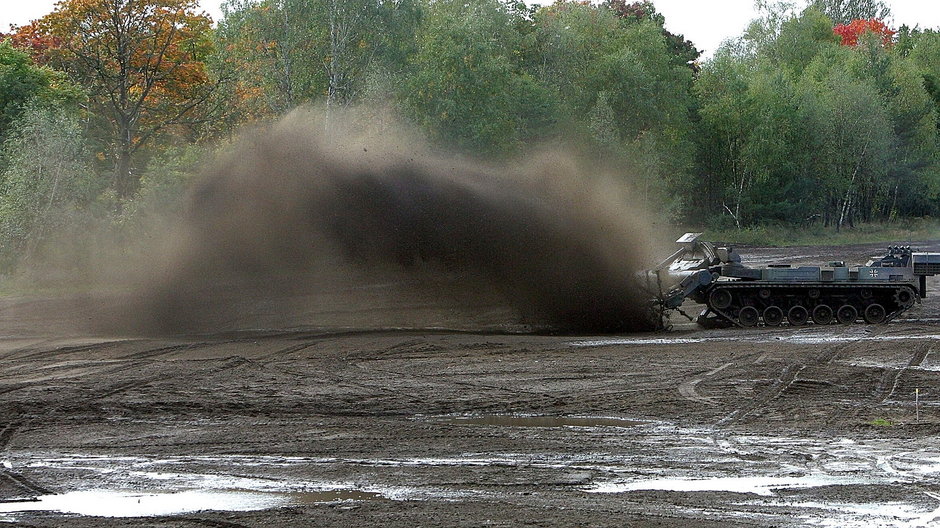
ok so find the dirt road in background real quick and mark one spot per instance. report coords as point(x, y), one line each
point(317, 426)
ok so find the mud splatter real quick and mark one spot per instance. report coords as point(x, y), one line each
point(303, 208)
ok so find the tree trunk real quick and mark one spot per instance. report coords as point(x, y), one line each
point(122, 174)
point(123, 184)
point(850, 192)
point(337, 43)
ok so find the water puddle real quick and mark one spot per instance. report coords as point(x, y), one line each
point(857, 515)
point(756, 485)
point(104, 503)
point(515, 420)
point(315, 497)
point(777, 478)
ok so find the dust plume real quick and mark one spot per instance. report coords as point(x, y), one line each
point(330, 227)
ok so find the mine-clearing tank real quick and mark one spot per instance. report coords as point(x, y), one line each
point(735, 294)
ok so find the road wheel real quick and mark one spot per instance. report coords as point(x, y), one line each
point(847, 314)
point(798, 315)
point(904, 297)
point(875, 313)
point(719, 299)
point(748, 316)
point(773, 316)
point(822, 314)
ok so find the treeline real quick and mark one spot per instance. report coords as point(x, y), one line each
point(823, 115)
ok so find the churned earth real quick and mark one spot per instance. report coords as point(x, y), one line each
point(311, 425)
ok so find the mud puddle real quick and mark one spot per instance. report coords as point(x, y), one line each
point(759, 485)
point(769, 478)
point(861, 515)
point(140, 486)
point(515, 420)
point(104, 503)
point(101, 503)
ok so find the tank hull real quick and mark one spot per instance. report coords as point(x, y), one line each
point(736, 294)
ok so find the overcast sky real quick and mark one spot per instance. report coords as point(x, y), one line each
point(705, 23)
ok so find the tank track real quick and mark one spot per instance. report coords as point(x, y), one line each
point(772, 304)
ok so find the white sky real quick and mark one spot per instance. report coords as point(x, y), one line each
point(705, 22)
point(708, 23)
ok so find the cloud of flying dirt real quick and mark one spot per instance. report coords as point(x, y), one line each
point(305, 217)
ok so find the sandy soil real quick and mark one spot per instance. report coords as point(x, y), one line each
point(318, 426)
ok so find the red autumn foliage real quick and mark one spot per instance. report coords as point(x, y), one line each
point(32, 40)
point(851, 32)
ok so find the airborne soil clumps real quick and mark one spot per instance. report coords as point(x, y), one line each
point(293, 210)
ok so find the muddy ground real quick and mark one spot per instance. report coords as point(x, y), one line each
point(318, 426)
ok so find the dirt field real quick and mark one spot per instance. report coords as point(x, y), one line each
point(317, 426)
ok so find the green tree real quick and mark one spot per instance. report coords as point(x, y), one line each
point(923, 49)
point(271, 52)
point(856, 136)
point(845, 11)
point(801, 38)
point(795, 127)
point(283, 53)
point(721, 135)
point(45, 181)
point(465, 82)
point(23, 83)
point(618, 82)
point(142, 63)
point(683, 51)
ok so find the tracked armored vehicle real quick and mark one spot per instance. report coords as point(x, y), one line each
point(738, 295)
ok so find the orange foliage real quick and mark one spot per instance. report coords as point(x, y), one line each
point(35, 42)
point(141, 60)
point(851, 32)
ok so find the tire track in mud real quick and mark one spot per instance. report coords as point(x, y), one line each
point(74, 349)
point(689, 388)
point(538, 396)
point(161, 351)
point(24, 348)
point(8, 431)
point(13, 387)
point(783, 382)
point(103, 371)
point(891, 377)
point(6, 434)
point(10, 476)
point(228, 363)
point(337, 380)
point(286, 351)
point(423, 346)
point(133, 361)
point(23, 483)
point(930, 517)
point(212, 523)
point(147, 354)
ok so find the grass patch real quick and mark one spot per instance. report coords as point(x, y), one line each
point(881, 422)
point(903, 233)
